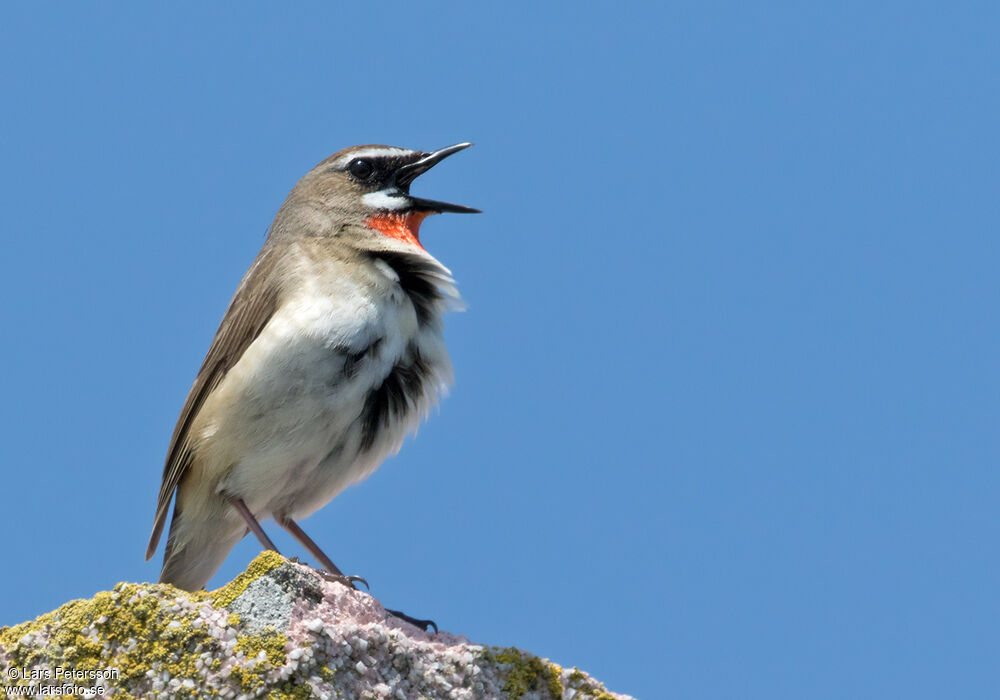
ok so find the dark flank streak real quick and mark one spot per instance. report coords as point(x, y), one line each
point(354, 360)
point(392, 400)
point(405, 384)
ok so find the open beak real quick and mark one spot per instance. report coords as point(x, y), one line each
point(408, 173)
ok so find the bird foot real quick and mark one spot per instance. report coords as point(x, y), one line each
point(348, 581)
point(422, 624)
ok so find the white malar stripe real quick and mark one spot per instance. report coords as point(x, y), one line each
point(389, 198)
point(388, 151)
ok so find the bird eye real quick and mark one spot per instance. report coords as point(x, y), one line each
point(361, 169)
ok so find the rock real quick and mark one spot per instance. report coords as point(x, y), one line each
point(279, 630)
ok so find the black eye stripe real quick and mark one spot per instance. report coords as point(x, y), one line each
point(383, 167)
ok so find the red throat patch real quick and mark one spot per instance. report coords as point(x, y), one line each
point(402, 227)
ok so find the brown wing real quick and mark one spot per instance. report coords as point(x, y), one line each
point(254, 303)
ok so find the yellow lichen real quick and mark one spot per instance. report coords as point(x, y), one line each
point(138, 628)
point(129, 629)
point(527, 673)
point(269, 641)
point(586, 687)
point(291, 691)
point(264, 562)
point(326, 673)
point(253, 677)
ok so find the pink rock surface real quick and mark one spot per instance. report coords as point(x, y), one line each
point(280, 630)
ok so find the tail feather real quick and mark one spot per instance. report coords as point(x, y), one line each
point(196, 549)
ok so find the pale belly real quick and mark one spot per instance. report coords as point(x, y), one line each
point(328, 390)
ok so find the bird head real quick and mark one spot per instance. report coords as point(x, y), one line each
point(366, 190)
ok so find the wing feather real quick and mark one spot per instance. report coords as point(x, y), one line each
point(254, 303)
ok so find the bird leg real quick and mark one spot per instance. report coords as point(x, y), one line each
point(252, 523)
point(307, 542)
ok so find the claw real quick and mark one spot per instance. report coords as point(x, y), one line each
point(358, 579)
point(348, 581)
point(339, 578)
point(422, 624)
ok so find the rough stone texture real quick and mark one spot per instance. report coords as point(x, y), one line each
point(279, 630)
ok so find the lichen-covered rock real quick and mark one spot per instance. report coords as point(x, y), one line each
point(279, 630)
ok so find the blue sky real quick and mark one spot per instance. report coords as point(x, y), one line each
point(725, 419)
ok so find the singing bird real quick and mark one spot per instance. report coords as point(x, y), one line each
point(330, 352)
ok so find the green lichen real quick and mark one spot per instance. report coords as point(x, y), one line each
point(264, 562)
point(527, 673)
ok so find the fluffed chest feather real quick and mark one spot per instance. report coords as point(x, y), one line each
point(345, 368)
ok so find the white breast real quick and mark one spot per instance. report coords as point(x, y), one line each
point(301, 420)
